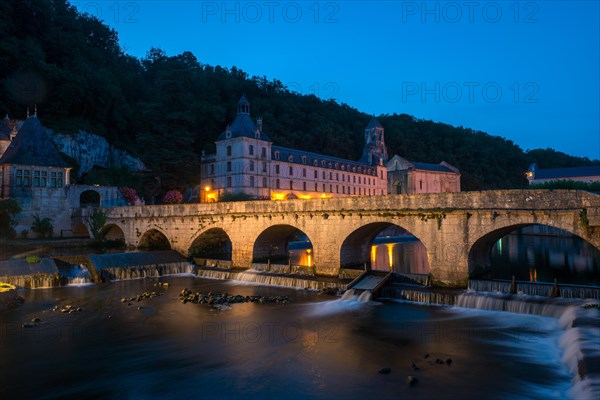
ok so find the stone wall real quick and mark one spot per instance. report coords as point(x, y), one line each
point(450, 225)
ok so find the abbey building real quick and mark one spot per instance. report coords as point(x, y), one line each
point(247, 161)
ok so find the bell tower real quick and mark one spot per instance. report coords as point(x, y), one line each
point(374, 152)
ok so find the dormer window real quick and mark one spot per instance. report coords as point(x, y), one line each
point(303, 159)
point(277, 155)
point(316, 163)
point(323, 163)
point(291, 158)
point(343, 167)
point(337, 166)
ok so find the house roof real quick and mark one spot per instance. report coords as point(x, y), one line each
point(32, 146)
point(295, 156)
point(431, 167)
point(573, 172)
point(374, 124)
point(243, 126)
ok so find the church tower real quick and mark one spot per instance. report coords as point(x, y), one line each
point(374, 152)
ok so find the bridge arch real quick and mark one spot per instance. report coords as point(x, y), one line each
point(482, 251)
point(273, 245)
point(385, 246)
point(213, 243)
point(113, 232)
point(153, 239)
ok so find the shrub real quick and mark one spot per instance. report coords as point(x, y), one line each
point(8, 210)
point(32, 259)
point(173, 197)
point(42, 226)
point(130, 195)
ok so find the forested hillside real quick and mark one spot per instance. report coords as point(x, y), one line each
point(167, 109)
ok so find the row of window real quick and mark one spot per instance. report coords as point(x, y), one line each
point(263, 151)
point(361, 180)
point(305, 187)
point(40, 178)
point(324, 163)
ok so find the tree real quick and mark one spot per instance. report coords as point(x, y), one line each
point(95, 222)
point(42, 226)
point(8, 210)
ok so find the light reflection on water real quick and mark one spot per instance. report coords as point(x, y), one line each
point(169, 349)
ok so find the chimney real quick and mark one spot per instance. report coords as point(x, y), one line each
point(259, 124)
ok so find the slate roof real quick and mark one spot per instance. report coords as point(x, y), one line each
point(32, 146)
point(374, 124)
point(431, 167)
point(243, 126)
point(285, 153)
point(573, 172)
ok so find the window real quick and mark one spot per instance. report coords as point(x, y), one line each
point(212, 169)
point(324, 176)
point(52, 179)
point(26, 175)
point(331, 176)
point(291, 171)
point(303, 159)
point(228, 150)
point(277, 168)
point(264, 167)
point(291, 158)
point(228, 181)
point(323, 163)
point(251, 150)
point(304, 172)
point(354, 190)
point(277, 183)
point(264, 181)
point(291, 185)
point(228, 166)
point(251, 181)
point(277, 155)
point(315, 163)
point(354, 179)
point(36, 178)
point(263, 152)
point(19, 179)
point(251, 166)
point(316, 174)
point(304, 186)
point(44, 178)
point(359, 180)
point(316, 187)
point(421, 185)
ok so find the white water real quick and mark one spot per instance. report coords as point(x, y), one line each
point(579, 341)
point(257, 277)
point(145, 271)
point(79, 276)
point(348, 302)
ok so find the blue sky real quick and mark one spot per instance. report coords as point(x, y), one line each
point(525, 70)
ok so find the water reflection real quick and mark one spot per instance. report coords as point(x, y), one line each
point(532, 254)
point(402, 254)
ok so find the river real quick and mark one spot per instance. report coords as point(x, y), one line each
point(316, 347)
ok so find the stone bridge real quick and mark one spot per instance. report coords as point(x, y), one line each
point(458, 230)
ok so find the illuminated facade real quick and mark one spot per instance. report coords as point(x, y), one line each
point(246, 161)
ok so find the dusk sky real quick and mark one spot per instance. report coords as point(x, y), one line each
point(528, 71)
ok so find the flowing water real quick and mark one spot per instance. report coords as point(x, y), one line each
point(316, 347)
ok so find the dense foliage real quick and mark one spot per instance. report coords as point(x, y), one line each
point(8, 210)
point(167, 109)
point(572, 185)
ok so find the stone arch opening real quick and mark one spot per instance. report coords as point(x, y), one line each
point(154, 239)
point(384, 246)
point(283, 244)
point(213, 244)
point(113, 232)
point(535, 253)
point(80, 231)
point(89, 198)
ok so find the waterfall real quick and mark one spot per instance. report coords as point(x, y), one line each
point(351, 295)
point(78, 275)
point(144, 271)
point(262, 278)
point(365, 296)
point(536, 288)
